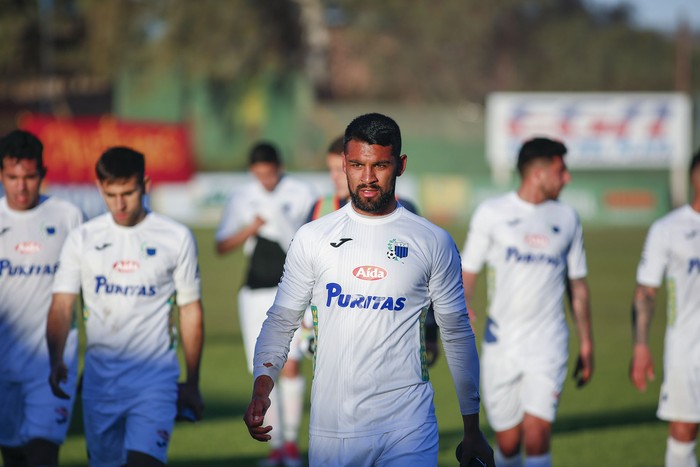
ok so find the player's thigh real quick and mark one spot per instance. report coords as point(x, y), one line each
point(11, 413)
point(416, 447)
point(680, 395)
point(47, 416)
point(252, 311)
point(405, 447)
point(150, 422)
point(501, 387)
point(541, 391)
point(105, 429)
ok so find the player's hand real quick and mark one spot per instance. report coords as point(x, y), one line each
point(58, 375)
point(477, 453)
point(583, 371)
point(255, 414)
point(189, 397)
point(642, 367)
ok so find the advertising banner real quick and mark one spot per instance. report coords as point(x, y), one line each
point(600, 130)
point(73, 145)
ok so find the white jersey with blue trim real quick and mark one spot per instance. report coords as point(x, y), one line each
point(672, 249)
point(284, 210)
point(530, 250)
point(30, 244)
point(128, 277)
point(370, 281)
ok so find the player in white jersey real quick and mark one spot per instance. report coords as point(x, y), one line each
point(131, 266)
point(33, 422)
point(370, 271)
point(672, 249)
point(263, 216)
point(532, 244)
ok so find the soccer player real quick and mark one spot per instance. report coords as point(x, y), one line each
point(672, 249)
point(262, 217)
point(532, 244)
point(370, 270)
point(131, 266)
point(33, 227)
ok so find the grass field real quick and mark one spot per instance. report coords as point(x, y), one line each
point(606, 423)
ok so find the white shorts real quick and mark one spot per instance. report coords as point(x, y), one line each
point(679, 400)
point(511, 389)
point(143, 423)
point(29, 410)
point(409, 447)
point(252, 311)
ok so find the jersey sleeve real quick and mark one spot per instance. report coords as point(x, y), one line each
point(478, 241)
point(67, 277)
point(231, 221)
point(447, 296)
point(286, 313)
point(655, 257)
point(576, 258)
point(186, 273)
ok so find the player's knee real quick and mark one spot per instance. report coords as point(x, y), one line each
point(683, 432)
point(537, 433)
point(509, 442)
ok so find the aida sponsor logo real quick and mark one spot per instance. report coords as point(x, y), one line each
point(126, 266)
point(537, 240)
point(369, 273)
point(513, 254)
point(28, 248)
point(336, 297)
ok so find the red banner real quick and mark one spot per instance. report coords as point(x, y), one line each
point(73, 145)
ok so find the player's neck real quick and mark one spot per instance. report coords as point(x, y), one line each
point(531, 194)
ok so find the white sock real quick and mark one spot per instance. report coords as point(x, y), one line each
point(292, 393)
point(502, 461)
point(543, 460)
point(680, 454)
point(273, 417)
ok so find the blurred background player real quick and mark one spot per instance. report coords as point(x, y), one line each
point(532, 244)
point(131, 266)
point(33, 227)
point(370, 270)
point(339, 198)
point(672, 248)
point(263, 216)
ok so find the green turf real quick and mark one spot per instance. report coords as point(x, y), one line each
point(605, 423)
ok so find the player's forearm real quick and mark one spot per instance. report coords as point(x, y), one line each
point(642, 313)
point(236, 240)
point(192, 332)
point(469, 282)
point(581, 309)
point(58, 326)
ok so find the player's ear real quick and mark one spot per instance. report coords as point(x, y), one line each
point(401, 167)
point(146, 184)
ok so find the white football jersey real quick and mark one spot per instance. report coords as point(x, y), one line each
point(672, 248)
point(530, 250)
point(370, 281)
point(128, 277)
point(284, 210)
point(30, 243)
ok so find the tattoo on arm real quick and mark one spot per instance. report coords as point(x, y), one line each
point(642, 313)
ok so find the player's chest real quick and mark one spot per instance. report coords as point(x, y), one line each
point(131, 257)
point(31, 242)
point(543, 234)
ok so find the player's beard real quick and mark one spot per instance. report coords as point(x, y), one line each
point(373, 206)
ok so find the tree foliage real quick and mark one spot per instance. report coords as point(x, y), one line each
point(423, 50)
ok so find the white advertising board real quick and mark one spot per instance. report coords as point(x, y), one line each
point(600, 130)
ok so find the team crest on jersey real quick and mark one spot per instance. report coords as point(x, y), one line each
point(28, 248)
point(397, 250)
point(537, 240)
point(61, 415)
point(49, 230)
point(126, 266)
point(164, 438)
point(369, 273)
point(147, 251)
